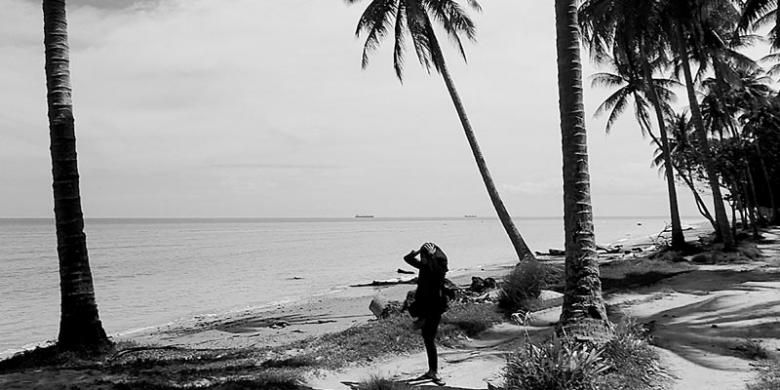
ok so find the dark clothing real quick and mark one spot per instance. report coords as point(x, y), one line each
point(429, 299)
point(429, 329)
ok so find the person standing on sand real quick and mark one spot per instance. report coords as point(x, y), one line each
point(430, 301)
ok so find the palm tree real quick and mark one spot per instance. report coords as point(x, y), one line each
point(682, 20)
point(583, 314)
point(682, 157)
point(413, 18)
point(617, 34)
point(80, 326)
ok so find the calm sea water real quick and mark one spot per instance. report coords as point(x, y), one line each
point(151, 272)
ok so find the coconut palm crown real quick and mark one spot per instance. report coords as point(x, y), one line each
point(412, 19)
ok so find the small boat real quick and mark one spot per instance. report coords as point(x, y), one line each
point(469, 216)
point(363, 216)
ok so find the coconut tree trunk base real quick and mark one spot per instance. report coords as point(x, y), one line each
point(586, 330)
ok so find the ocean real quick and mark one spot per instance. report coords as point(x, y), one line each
point(150, 272)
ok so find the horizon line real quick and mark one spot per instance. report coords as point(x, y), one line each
point(362, 218)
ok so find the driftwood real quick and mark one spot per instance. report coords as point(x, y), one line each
point(387, 282)
point(403, 271)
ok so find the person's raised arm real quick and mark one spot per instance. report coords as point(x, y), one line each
point(411, 259)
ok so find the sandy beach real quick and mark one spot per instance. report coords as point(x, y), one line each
point(698, 315)
point(284, 324)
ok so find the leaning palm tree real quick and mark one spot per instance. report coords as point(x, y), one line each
point(680, 157)
point(80, 326)
point(413, 18)
point(583, 314)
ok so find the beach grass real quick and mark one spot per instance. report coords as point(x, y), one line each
point(625, 362)
point(396, 335)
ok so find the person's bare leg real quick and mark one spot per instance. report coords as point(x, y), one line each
point(429, 339)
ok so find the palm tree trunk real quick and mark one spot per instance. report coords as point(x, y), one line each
point(771, 192)
point(733, 205)
point(678, 239)
point(721, 218)
point(521, 248)
point(80, 325)
point(583, 315)
point(700, 205)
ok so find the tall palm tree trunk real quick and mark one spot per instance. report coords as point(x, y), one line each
point(700, 205)
point(80, 325)
point(583, 314)
point(678, 239)
point(768, 182)
point(721, 218)
point(521, 248)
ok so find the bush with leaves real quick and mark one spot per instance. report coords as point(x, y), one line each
point(558, 364)
point(521, 286)
point(633, 362)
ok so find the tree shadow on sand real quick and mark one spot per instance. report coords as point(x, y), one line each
point(734, 306)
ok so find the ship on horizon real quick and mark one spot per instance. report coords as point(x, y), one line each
point(363, 216)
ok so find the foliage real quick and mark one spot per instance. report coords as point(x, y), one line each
point(634, 364)
point(468, 319)
point(625, 362)
point(557, 364)
point(751, 349)
point(522, 285)
point(379, 383)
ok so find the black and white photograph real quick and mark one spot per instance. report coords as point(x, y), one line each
point(390, 194)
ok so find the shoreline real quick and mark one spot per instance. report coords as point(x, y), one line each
point(297, 320)
point(284, 321)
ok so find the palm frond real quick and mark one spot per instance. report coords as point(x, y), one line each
point(607, 80)
point(454, 20)
point(375, 22)
point(618, 109)
point(416, 21)
point(400, 47)
point(753, 10)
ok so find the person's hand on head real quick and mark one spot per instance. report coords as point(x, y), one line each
point(429, 247)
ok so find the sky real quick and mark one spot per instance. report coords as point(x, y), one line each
point(258, 108)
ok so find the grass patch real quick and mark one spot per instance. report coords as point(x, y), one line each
point(468, 319)
point(634, 364)
point(263, 380)
point(53, 356)
point(626, 362)
point(395, 335)
point(751, 349)
point(768, 379)
point(378, 383)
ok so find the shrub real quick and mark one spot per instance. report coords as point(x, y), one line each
point(378, 383)
point(751, 349)
point(634, 364)
point(521, 286)
point(558, 364)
